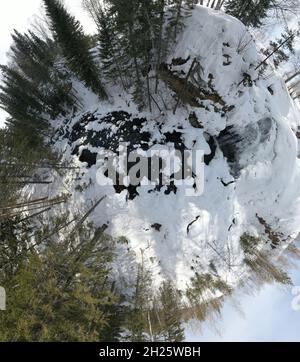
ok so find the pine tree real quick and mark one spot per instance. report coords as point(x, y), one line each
point(21, 99)
point(75, 46)
point(64, 290)
point(250, 12)
point(137, 323)
point(35, 88)
point(110, 51)
point(36, 58)
point(177, 17)
point(134, 42)
point(260, 262)
point(22, 151)
point(174, 20)
point(176, 13)
point(171, 313)
point(13, 245)
point(132, 31)
point(201, 294)
point(159, 39)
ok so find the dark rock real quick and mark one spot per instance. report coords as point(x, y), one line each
point(194, 121)
point(180, 61)
point(247, 80)
point(226, 184)
point(156, 226)
point(228, 141)
point(120, 126)
point(227, 61)
point(191, 224)
point(175, 138)
point(270, 89)
point(89, 157)
point(213, 147)
point(171, 188)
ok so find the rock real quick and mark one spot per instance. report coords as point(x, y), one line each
point(156, 226)
point(89, 157)
point(194, 121)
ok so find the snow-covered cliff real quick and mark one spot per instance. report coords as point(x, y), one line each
point(244, 122)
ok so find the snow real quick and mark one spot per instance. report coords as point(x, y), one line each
point(267, 184)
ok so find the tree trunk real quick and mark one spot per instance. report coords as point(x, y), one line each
point(34, 215)
point(119, 69)
point(132, 46)
point(185, 83)
point(23, 204)
point(275, 50)
point(292, 87)
point(220, 4)
point(87, 214)
point(159, 50)
point(47, 205)
point(177, 18)
point(25, 182)
point(292, 76)
point(243, 9)
point(148, 84)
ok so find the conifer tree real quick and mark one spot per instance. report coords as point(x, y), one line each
point(36, 58)
point(35, 87)
point(131, 29)
point(177, 12)
point(75, 46)
point(59, 293)
point(110, 51)
point(250, 12)
point(159, 38)
point(21, 99)
point(176, 21)
point(137, 322)
point(134, 41)
point(170, 315)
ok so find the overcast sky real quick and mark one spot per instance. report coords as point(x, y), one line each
point(268, 315)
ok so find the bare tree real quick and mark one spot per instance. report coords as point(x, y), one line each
point(281, 8)
point(93, 8)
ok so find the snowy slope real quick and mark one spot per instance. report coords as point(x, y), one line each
point(257, 177)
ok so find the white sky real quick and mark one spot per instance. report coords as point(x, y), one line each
point(18, 14)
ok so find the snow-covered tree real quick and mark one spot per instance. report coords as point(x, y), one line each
point(280, 49)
